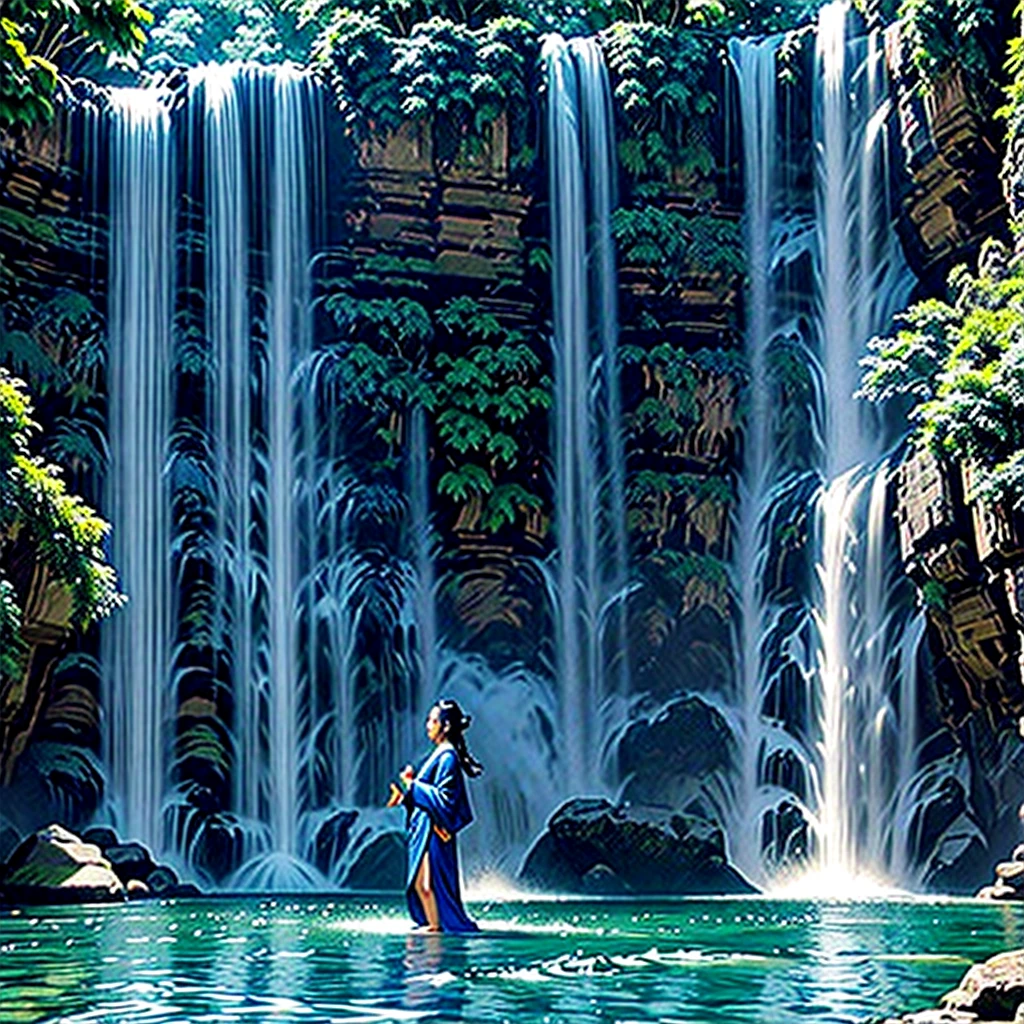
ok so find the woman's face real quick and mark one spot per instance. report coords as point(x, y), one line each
point(435, 729)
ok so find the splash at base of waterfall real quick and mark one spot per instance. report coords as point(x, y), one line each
point(833, 884)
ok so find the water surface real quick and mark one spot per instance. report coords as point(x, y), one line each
point(346, 960)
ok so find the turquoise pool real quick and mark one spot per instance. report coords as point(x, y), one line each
point(312, 960)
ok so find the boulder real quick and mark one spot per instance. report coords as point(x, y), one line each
point(130, 860)
point(162, 881)
point(101, 836)
point(992, 990)
point(936, 1017)
point(600, 880)
point(136, 890)
point(378, 863)
point(666, 757)
point(645, 849)
point(54, 866)
point(1011, 872)
point(999, 891)
point(332, 839)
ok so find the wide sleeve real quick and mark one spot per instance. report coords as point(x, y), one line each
point(442, 799)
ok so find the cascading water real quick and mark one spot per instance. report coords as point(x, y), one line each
point(587, 445)
point(289, 288)
point(227, 254)
point(136, 643)
point(860, 279)
point(755, 61)
point(258, 254)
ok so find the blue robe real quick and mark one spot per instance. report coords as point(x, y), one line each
point(438, 796)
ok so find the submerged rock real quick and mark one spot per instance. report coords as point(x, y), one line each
point(54, 866)
point(591, 843)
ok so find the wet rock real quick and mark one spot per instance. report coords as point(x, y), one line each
point(378, 863)
point(992, 990)
point(650, 850)
point(9, 839)
point(959, 865)
point(936, 1017)
point(1011, 872)
point(101, 836)
point(136, 890)
point(162, 881)
point(185, 891)
point(999, 891)
point(332, 839)
point(54, 866)
point(130, 861)
point(600, 880)
point(666, 757)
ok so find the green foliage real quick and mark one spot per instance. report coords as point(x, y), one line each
point(482, 398)
point(676, 245)
point(460, 76)
point(479, 381)
point(670, 409)
point(961, 364)
point(934, 596)
point(663, 95)
point(40, 39)
point(66, 534)
point(201, 31)
point(944, 34)
point(699, 489)
point(1013, 112)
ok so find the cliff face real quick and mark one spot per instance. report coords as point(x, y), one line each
point(965, 556)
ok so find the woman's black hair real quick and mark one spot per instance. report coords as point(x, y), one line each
point(455, 724)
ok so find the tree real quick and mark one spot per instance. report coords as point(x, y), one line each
point(42, 39)
point(52, 565)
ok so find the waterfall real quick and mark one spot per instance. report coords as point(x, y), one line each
point(425, 610)
point(598, 124)
point(288, 343)
point(848, 768)
point(861, 280)
point(136, 642)
point(588, 454)
point(228, 324)
point(755, 63)
point(259, 155)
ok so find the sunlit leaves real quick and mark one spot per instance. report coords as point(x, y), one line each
point(941, 35)
point(39, 40)
point(66, 534)
point(459, 75)
point(962, 365)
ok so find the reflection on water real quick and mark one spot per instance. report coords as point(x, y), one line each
point(339, 960)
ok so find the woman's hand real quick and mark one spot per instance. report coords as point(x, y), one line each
point(407, 775)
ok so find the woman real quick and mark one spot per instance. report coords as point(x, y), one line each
point(438, 808)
